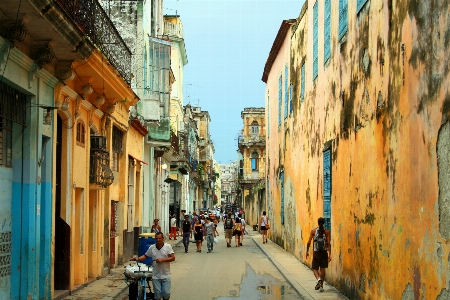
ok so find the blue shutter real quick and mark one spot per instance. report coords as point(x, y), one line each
point(280, 82)
point(253, 163)
point(327, 31)
point(282, 196)
point(327, 188)
point(286, 92)
point(316, 40)
point(343, 4)
point(359, 5)
point(303, 83)
point(290, 99)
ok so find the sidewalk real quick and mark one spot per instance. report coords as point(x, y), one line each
point(108, 287)
point(296, 273)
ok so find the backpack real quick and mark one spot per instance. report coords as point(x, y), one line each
point(320, 241)
point(228, 223)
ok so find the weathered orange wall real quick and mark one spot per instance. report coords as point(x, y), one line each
point(387, 122)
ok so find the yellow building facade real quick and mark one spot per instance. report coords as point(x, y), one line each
point(97, 171)
point(362, 139)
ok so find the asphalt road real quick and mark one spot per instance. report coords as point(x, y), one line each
point(226, 273)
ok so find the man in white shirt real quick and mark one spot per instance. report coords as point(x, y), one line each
point(162, 254)
point(173, 228)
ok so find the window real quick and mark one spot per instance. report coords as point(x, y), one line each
point(254, 160)
point(316, 40)
point(117, 136)
point(12, 110)
point(302, 95)
point(280, 82)
point(327, 31)
point(290, 99)
point(5, 142)
point(286, 92)
point(81, 132)
point(359, 5)
point(254, 127)
point(343, 4)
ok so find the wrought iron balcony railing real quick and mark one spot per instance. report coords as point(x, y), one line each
point(99, 172)
point(174, 143)
point(95, 23)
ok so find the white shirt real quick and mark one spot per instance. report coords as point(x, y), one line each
point(160, 270)
point(173, 222)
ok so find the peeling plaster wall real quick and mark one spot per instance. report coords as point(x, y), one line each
point(382, 104)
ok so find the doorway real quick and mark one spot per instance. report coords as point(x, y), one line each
point(61, 279)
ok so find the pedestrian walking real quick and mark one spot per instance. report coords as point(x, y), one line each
point(321, 252)
point(210, 234)
point(187, 232)
point(237, 231)
point(155, 227)
point(198, 234)
point(263, 224)
point(243, 228)
point(162, 254)
point(173, 228)
point(229, 224)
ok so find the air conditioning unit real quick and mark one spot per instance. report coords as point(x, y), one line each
point(98, 142)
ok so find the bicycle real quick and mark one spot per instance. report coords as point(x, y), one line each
point(137, 279)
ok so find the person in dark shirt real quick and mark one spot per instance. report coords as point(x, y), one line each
point(187, 232)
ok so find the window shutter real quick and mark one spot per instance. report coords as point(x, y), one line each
point(286, 92)
point(280, 82)
point(359, 5)
point(316, 40)
point(290, 99)
point(327, 31)
point(343, 4)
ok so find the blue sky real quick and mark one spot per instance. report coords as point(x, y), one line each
point(227, 45)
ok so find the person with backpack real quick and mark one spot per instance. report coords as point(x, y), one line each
point(321, 252)
point(228, 224)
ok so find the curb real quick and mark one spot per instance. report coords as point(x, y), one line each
point(289, 278)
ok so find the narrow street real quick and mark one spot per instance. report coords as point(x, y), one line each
point(226, 273)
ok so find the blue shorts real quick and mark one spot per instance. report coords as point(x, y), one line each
point(161, 288)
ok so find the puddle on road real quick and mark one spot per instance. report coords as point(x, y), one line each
point(261, 287)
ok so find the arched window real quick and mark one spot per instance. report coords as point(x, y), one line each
point(255, 160)
point(81, 132)
point(254, 127)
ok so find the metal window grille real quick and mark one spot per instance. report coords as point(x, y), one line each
point(327, 31)
point(316, 40)
point(12, 109)
point(343, 11)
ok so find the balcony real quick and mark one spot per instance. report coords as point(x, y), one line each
point(251, 140)
point(100, 175)
point(174, 31)
point(93, 21)
point(160, 135)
